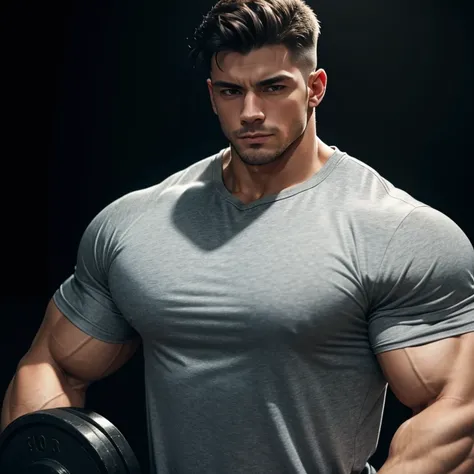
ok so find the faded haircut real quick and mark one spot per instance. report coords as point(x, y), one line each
point(244, 25)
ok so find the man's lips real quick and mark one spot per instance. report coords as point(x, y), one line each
point(255, 135)
point(255, 139)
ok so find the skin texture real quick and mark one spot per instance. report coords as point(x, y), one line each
point(436, 380)
point(285, 109)
point(59, 366)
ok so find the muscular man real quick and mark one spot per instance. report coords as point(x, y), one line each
point(276, 287)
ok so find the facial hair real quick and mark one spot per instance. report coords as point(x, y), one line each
point(257, 155)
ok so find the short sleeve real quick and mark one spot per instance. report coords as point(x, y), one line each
point(85, 298)
point(424, 290)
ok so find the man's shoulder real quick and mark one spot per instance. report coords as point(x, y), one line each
point(199, 172)
point(373, 205)
point(129, 208)
point(373, 193)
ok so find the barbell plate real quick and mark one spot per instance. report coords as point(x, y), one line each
point(123, 448)
point(64, 438)
point(117, 466)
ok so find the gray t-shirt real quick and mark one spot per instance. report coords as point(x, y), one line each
point(260, 322)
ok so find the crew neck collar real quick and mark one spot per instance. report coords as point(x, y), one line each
point(313, 181)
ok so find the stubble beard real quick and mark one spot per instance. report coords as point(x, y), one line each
point(258, 154)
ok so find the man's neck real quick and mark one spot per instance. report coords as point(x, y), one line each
point(249, 183)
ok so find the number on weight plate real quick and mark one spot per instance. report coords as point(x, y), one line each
point(39, 444)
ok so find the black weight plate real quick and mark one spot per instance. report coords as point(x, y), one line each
point(117, 466)
point(55, 437)
point(124, 450)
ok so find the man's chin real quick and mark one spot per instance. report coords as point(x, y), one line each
point(258, 159)
point(256, 155)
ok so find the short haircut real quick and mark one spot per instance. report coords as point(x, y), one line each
point(244, 25)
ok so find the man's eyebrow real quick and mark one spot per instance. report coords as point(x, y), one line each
point(265, 82)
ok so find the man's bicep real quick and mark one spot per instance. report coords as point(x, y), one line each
point(81, 356)
point(420, 375)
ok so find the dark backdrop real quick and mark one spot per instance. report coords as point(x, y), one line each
point(99, 99)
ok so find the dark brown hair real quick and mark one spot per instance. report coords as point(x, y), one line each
point(243, 25)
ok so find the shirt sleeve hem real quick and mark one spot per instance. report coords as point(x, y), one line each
point(384, 347)
point(78, 319)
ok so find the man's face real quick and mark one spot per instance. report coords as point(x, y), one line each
point(263, 94)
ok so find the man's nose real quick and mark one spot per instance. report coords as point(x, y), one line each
point(252, 110)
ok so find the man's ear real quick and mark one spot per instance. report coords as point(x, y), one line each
point(317, 84)
point(211, 95)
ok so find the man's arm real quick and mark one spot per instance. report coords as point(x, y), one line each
point(436, 380)
point(61, 363)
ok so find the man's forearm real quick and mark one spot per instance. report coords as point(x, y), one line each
point(37, 387)
point(439, 440)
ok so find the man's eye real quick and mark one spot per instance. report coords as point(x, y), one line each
point(229, 92)
point(275, 88)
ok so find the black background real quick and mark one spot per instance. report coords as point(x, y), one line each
point(98, 99)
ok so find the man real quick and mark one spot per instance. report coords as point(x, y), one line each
point(276, 287)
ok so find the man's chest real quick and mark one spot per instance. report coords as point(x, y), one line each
point(299, 286)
